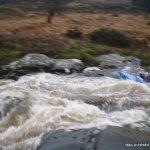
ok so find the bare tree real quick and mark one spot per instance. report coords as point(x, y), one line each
point(53, 6)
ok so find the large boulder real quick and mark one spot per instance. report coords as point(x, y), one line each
point(67, 65)
point(30, 63)
point(32, 60)
point(111, 61)
point(115, 61)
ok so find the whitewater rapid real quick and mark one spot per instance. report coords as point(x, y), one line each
point(35, 104)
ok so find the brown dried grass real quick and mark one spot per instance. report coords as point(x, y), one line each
point(133, 25)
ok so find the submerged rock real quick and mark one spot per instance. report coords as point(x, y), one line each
point(111, 138)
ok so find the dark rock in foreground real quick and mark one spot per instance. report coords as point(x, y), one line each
point(112, 138)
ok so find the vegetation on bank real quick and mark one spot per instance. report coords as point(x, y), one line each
point(12, 49)
point(75, 35)
point(111, 37)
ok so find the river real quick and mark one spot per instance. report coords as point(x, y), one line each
point(41, 102)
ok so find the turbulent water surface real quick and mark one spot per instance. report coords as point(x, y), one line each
point(38, 103)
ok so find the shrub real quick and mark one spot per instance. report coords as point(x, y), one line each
point(111, 37)
point(115, 15)
point(74, 33)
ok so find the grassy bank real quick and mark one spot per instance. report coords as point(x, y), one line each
point(13, 48)
point(31, 34)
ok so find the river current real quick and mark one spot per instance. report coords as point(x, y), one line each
point(35, 104)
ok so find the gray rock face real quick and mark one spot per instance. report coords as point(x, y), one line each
point(112, 138)
point(32, 60)
point(111, 61)
point(67, 65)
point(32, 63)
point(93, 71)
point(116, 62)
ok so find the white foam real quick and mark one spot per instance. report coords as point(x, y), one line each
point(60, 102)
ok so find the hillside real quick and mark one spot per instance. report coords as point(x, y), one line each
point(82, 5)
point(31, 33)
point(24, 29)
point(35, 24)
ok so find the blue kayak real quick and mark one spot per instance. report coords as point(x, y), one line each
point(127, 76)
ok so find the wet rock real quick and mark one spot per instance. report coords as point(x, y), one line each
point(67, 65)
point(112, 138)
point(93, 71)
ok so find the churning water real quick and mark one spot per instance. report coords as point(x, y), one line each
point(38, 103)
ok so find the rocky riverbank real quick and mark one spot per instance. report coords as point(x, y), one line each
point(33, 63)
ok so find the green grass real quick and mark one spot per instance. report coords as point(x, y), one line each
point(84, 50)
point(10, 51)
